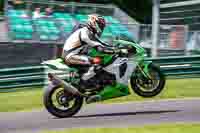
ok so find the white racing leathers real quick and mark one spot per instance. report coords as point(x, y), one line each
point(76, 44)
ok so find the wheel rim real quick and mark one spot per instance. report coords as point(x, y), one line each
point(149, 85)
point(61, 101)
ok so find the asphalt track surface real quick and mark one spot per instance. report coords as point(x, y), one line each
point(100, 115)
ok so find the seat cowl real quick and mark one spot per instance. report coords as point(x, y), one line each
point(56, 64)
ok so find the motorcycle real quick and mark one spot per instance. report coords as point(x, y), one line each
point(121, 73)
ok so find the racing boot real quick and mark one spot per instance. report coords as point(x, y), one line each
point(91, 72)
point(93, 98)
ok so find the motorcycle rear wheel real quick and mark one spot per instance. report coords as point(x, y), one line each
point(62, 110)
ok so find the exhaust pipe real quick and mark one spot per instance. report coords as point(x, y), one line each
point(67, 87)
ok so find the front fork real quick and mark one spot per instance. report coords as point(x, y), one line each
point(144, 68)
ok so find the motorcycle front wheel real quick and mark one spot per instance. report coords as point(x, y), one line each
point(148, 87)
point(59, 104)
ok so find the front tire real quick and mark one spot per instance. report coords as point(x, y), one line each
point(147, 92)
point(64, 111)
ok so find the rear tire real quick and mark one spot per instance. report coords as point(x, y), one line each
point(51, 108)
point(149, 93)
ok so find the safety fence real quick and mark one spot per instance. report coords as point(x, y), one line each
point(12, 79)
point(57, 19)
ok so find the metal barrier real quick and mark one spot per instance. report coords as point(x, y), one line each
point(179, 67)
point(13, 78)
point(172, 67)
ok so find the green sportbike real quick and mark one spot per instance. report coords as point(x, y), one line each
point(121, 73)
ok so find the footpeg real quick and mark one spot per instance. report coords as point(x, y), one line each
point(92, 99)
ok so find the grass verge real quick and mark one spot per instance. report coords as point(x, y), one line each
point(165, 128)
point(32, 98)
point(19, 101)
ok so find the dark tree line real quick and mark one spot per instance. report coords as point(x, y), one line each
point(141, 10)
point(1, 5)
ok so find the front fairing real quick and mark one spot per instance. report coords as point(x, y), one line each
point(140, 51)
point(107, 58)
point(139, 57)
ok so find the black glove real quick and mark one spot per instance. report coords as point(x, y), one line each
point(105, 50)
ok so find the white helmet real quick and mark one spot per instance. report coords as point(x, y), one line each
point(97, 23)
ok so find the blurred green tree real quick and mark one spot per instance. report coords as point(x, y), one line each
point(1, 6)
point(138, 9)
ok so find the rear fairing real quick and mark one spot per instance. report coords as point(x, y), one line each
point(58, 64)
point(63, 71)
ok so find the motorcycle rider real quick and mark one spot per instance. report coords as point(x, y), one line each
point(80, 41)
